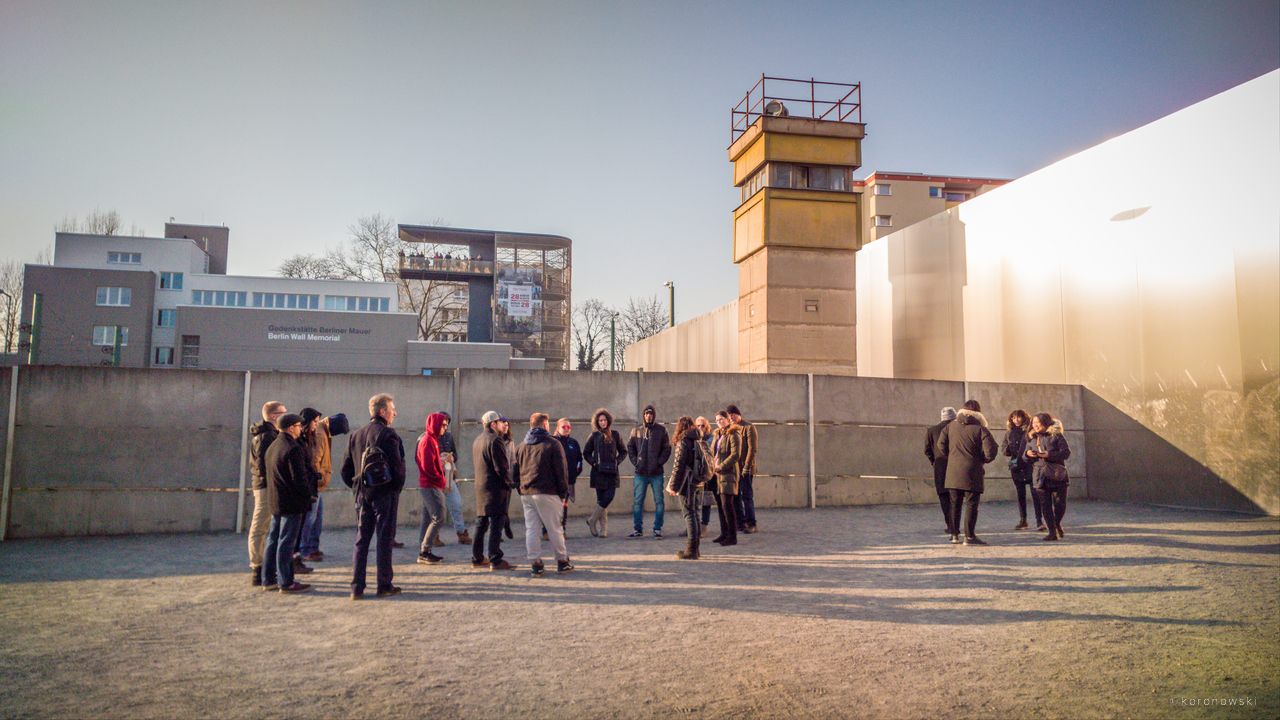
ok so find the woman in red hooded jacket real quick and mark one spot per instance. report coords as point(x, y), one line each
point(432, 485)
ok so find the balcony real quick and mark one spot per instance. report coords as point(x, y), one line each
point(419, 267)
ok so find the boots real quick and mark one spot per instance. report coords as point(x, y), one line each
point(604, 522)
point(592, 522)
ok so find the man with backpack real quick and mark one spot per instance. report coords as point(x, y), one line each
point(374, 470)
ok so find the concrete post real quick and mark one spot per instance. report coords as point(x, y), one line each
point(8, 452)
point(244, 452)
point(813, 465)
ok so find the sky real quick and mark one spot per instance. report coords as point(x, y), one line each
point(606, 122)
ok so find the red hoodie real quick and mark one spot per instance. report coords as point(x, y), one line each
point(430, 470)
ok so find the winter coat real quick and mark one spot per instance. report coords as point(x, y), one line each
point(967, 445)
point(261, 435)
point(318, 451)
point(539, 465)
point(377, 432)
point(1014, 446)
point(604, 448)
point(750, 444)
point(726, 449)
point(683, 465)
point(1053, 442)
point(290, 478)
point(649, 447)
point(430, 467)
point(930, 451)
point(493, 473)
point(572, 456)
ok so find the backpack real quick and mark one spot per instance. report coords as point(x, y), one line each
point(374, 470)
point(701, 467)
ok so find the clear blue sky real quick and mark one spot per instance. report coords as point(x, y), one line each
point(606, 122)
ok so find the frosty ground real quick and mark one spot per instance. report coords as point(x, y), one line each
point(856, 612)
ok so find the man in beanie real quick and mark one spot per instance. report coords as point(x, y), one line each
point(939, 464)
point(290, 487)
point(649, 448)
point(376, 504)
point(492, 467)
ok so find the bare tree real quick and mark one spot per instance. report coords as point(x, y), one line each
point(373, 254)
point(97, 222)
point(11, 272)
point(591, 333)
point(307, 266)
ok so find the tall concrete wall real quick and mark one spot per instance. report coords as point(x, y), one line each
point(101, 451)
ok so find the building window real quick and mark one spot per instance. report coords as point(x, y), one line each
point(106, 335)
point(220, 298)
point(882, 189)
point(170, 281)
point(356, 304)
point(290, 301)
point(935, 192)
point(753, 184)
point(166, 318)
point(811, 177)
point(190, 351)
point(124, 258)
point(884, 221)
point(115, 296)
point(956, 196)
point(164, 356)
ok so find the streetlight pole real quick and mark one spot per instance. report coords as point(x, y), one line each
point(671, 301)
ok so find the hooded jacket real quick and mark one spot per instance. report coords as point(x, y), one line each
point(967, 445)
point(317, 444)
point(572, 456)
point(688, 448)
point(649, 446)
point(604, 450)
point(1054, 442)
point(539, 465)
point(430, 468)
point(261, 434)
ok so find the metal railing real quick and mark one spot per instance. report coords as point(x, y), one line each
point(456, 265)
point(836, 102)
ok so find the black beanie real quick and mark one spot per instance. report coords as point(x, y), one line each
point(288, 420)
point(309, 414)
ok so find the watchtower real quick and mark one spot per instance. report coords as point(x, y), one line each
point(794, 145)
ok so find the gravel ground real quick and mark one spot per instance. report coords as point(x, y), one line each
point(859, 612)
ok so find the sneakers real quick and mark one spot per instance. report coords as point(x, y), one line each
point(464, 538)
point(657, 534)
point(397, 544)
point(1022, 525)
point(538, 568)
point(393, 590)
point(687, 555)
point(429, 558)
point(256, 580)
point(1041, 527)
point(500, 565)
point(636, 533)
point(955, 539)
point(564, 566)
point(316, 556)
point(300, 569)
point(271, 585)
point(974, 541)
point(750, 529)
point(357, 595)
point(479, 562)
point(296, 587)
point(1051, 537)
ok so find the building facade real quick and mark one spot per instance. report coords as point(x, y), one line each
point(894, 200)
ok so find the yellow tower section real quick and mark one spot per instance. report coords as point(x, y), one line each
point(797, 229)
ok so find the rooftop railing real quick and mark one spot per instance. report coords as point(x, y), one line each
point(836, 102)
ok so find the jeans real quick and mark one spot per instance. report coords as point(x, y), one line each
point(543, 511)
point(432, 518)
point(493, 525)
point(745, 501)
point(375, 517)
point(970, 502)
point(258, 528)
point(641, 484)
point(311, 528)
point(277, 565)
point(453, 498)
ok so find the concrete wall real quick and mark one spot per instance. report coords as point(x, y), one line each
point(706, 343)
point(101, 451)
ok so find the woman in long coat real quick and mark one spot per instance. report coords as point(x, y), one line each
point(726, 455)
point(604, 452)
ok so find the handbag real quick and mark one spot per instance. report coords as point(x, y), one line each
point(1054, 475)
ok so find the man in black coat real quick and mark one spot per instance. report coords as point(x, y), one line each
point(573, 462)
point(291, 483)
point(940, 466)
point(375, 506)
point(493, 490)
point(649, 448)
point(262, 434)
point(967, 445)
point(539, 468)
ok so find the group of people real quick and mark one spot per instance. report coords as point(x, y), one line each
point(961, 445)
point(290, 459)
